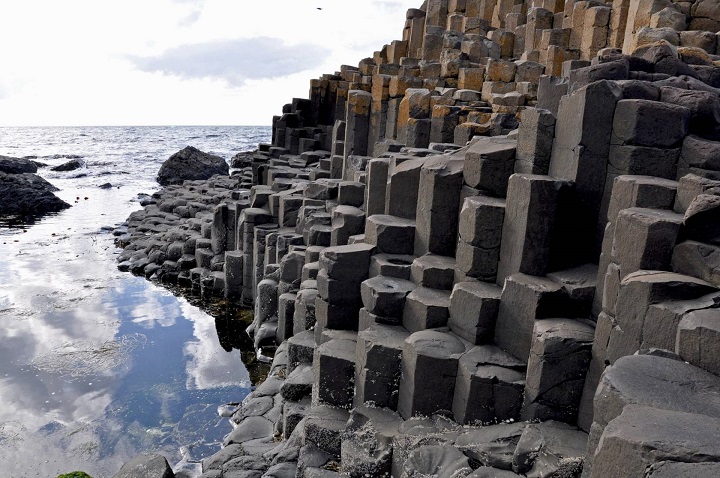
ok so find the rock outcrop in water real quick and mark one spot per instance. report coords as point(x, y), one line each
point(26, 194)
point(71, 165)
point(10, 165)
point(489, 250)
point(190, 163)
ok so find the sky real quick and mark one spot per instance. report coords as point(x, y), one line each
point(178, 62)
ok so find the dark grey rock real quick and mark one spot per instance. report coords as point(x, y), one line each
point(441, 461)
point(489, 162)
point(281, 470)
point(650, 123)
point(643, 436)
point(323, 428)
point(146, 466)
point(428, 353)
point(385, 296)
point(651, 381)
point(698, 339)
point(637, 292)
point(433, 271)
point(334, 373)
point(251, 428)
point(246, 463)
point(535, 139)
point(557, 364)
point(391, 265)
point(377, 371)
point(525, 299)
point(10, 165)
point(611, 70)
point(191, 163)
point(644, 239)
point(702, 219)
point(390, 234)
point(529, 219)
point(26, 194)
point(441, 181)
point(493, 445)
point(71, 165)
point(489, 386)
point(366, 447)
point(298, 384)
point(473, 311)
point(550, 449)
point(426, 308)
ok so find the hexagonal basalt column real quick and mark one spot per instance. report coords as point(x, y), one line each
point(428, 353)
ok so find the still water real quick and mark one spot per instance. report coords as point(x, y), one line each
point(97, 365)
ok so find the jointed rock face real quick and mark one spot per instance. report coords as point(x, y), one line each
point(513, 213)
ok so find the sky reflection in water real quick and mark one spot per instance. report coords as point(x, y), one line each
point(98, 365)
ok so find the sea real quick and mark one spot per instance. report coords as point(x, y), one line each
point(98, 365)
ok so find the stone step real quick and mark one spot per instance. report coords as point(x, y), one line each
point(433, 271)
point(378, 365)
point(323, 428)
point(489, 386)
point(390, 234)
point(385, 296)
point(301, 348)
point(298, 383)
point(426, 308)
point(428, 353)
point(367, 447)
point(391, 265)
point(557, 365)
point(334, 373)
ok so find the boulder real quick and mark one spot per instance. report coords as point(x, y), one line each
point(242, 159)
point(72, 165)
point(190, 163)
point(16, 165)
point(146, 466)
point(27, 194)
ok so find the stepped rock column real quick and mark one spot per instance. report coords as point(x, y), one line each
point(379, 109)
point(529, 219)
point(438, 206)
point(357, 126)
point(414, 118)
point(416, 19)
point(581, 146)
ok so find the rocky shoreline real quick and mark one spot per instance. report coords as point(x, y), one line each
point(489, 250)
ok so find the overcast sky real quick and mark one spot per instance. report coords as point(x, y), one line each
point(157, 62)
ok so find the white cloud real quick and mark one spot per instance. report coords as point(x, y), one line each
point(234, 61)
point(71, 64)
point(208, 365)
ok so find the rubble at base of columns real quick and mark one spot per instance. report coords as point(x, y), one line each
point(492, 249)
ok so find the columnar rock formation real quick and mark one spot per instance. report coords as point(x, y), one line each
point(510, 214)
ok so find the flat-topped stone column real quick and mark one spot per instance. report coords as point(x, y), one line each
point(357, 126)
point(438, 206)
point(489, 386)
point(428, 353)
point(527, 228)
point(378, 367)
point(558, 361)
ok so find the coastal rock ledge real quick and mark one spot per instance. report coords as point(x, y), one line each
point(492, 249)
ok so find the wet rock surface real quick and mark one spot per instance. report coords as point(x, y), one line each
point(27, 194)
